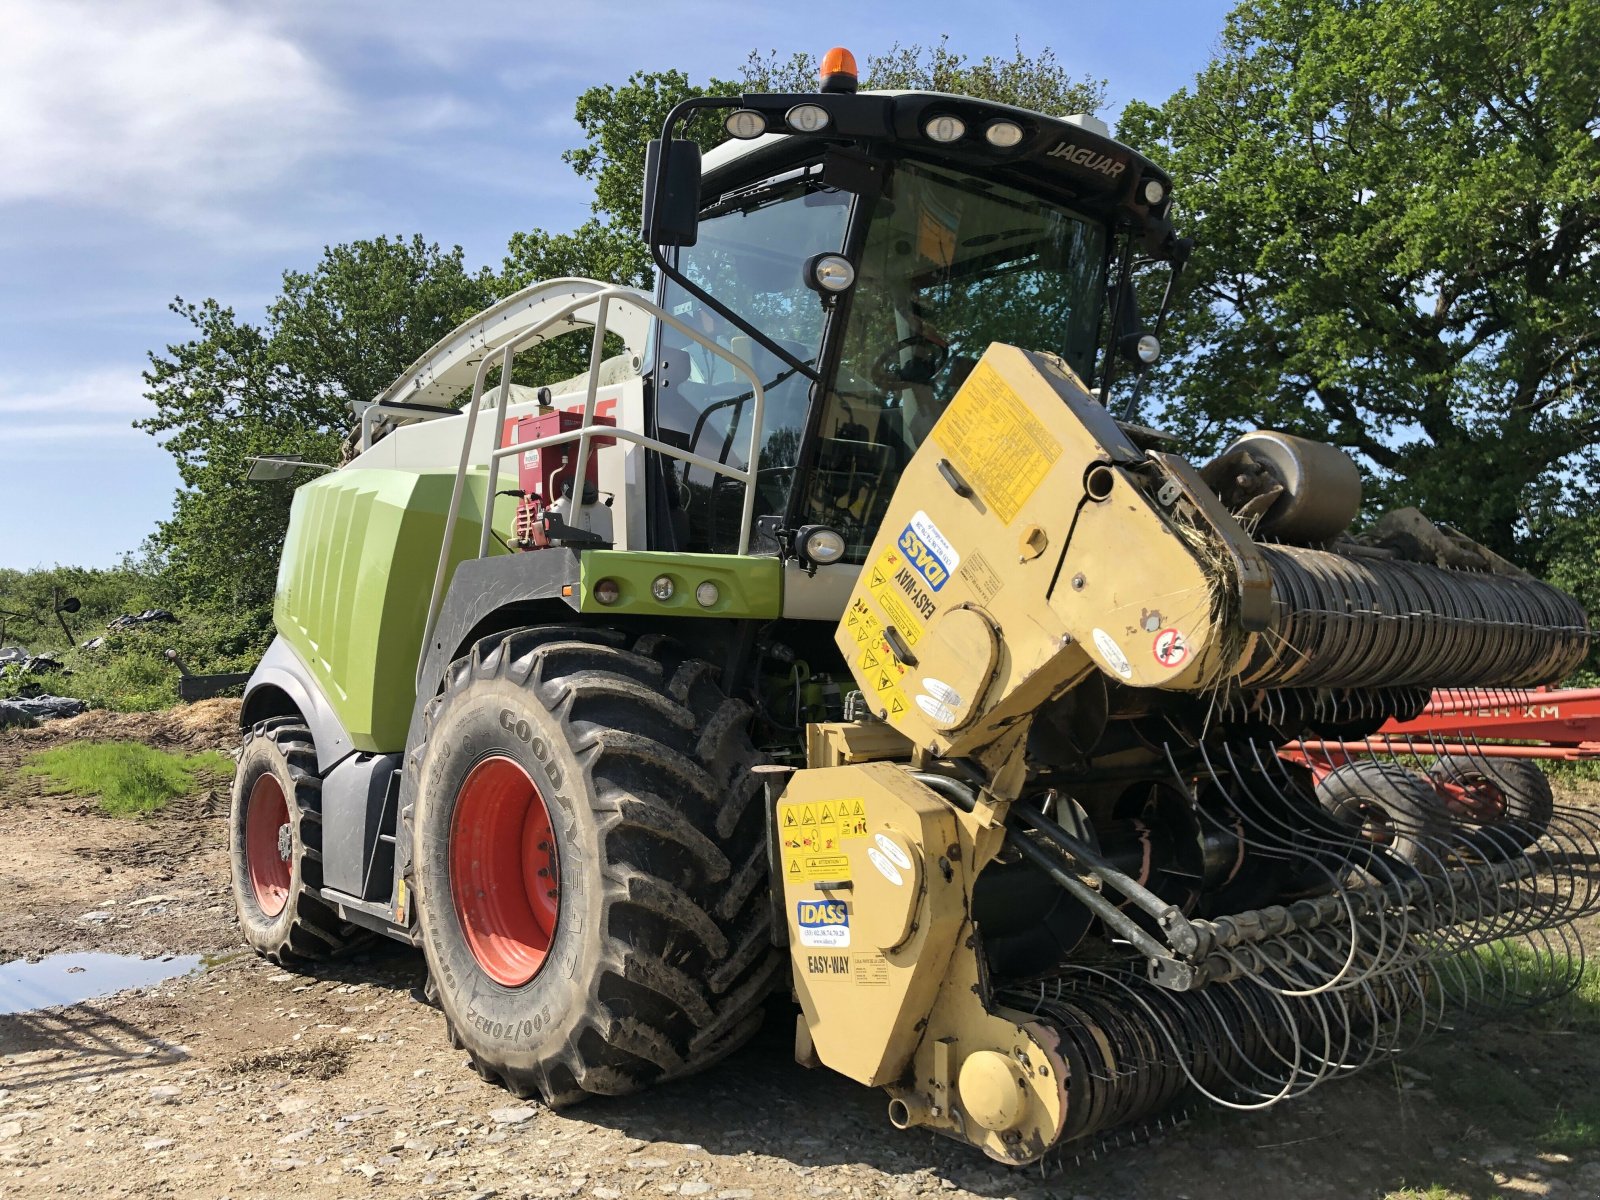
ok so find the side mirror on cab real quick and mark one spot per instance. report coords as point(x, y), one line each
point(671, 193)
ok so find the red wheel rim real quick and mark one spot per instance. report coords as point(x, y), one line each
point(504, 875)
point(267, 844)
point(1473, 797)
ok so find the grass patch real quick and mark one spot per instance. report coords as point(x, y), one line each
point(1573, 986)
point(1572, 1130)
point(1437, 1192)
point(130, 779)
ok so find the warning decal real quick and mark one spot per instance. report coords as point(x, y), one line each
point(874, 664)
point(812, 837)
point(898, 590)
point(995, 443)
point(1170, 648)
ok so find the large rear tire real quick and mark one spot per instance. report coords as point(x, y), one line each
point(275, 847)
point(590, 864)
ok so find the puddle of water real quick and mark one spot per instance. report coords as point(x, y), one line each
point(73, 978)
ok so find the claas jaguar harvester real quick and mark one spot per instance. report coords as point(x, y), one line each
point(837, 634)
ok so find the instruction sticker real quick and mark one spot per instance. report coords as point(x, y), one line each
point(980, 577)
point(823, 923)
point(1115, 658)
point(899, 590)
point(892, 852)
point(870, 972)
point(885, 868)
point(995, 443)
point(812, 837)
point(1170, 648)
point(928, 551)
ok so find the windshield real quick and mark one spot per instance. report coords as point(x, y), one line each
point(950, 264)
point(750, 254)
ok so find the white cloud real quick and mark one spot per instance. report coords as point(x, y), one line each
point(103, 390)
point(85, 417)
point(154, 106)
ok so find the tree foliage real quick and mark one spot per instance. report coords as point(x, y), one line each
point(618, 120)
point(1397, 244)
point(337, 333)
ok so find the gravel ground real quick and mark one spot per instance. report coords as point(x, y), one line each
point(244, 1080)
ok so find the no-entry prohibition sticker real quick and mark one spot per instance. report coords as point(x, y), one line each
point(1170, 648)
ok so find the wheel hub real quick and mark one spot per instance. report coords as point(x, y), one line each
point(268, 844)
point(504, 871)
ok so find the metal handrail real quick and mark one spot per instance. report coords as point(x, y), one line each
point(582, 435)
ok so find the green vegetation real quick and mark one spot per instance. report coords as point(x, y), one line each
point(129, 672)
point(1436, 1192)
point(1573, 1131)
point(1573, 984)
point(129, 779)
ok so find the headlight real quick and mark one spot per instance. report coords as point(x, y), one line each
point(1154, 191)
point(707, 594)
point(1148, 348)
point(831, 273)
point(745, 123)
point(607, 591)
point(1004, 134)
point(661, 587)
point(807, 118)
point(945, 129)
point(819, 544)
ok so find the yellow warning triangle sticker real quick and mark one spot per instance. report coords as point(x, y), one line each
point(809, 817)
point(896, 708)
point(788, 816)
point(853, 619)
point(856, 810)
point(794, 866)
point(867, 659)
point(827, 814)
point(884, 682)
point(877, 578)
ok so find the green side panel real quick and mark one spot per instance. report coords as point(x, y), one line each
point(354, 581)
point(746, 587)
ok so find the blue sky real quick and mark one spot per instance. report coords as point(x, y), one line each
point(157, 148)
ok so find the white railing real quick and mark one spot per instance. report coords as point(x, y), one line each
point(532, 336)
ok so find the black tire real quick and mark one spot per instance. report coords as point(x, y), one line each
point(1522, 792)
point(278, 754)
point(1391, 807)
point(660, 957)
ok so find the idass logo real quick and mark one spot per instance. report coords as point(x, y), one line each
point(929, 551)
point(823, 923)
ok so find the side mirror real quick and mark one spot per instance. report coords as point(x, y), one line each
point(271, 468)
point(671, 195)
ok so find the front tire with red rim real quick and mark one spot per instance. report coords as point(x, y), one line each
point(589, 862)
point(275, 844)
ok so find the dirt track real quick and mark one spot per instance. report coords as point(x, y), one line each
point(244, 1080)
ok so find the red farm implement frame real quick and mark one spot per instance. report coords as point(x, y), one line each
point(1464, 732)
point(1521, 724)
